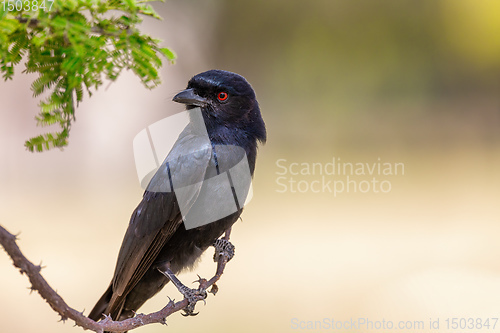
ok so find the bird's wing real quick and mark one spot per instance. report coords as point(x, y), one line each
point(226, 187)
point(158, 216)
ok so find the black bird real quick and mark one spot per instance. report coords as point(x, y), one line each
point(156, 236)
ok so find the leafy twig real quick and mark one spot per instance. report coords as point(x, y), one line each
point(72, 48)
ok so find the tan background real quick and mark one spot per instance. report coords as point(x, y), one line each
point(415, 82)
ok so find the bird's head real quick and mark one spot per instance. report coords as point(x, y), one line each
point(226, 99)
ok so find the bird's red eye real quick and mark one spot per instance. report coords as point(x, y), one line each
point(222, 96)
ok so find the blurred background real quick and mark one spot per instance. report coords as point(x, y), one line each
point(361, 81)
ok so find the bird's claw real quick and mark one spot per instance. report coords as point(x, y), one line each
point(200, 279)
point(223, 248)
point(193, 296)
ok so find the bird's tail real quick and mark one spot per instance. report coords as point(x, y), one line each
point(100, 307)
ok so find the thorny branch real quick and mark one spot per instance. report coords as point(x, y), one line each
point(56, 302)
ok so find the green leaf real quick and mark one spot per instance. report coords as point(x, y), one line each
point(47, 141)
point(131, 4)
point(8, 26)
point(169, 54)
point(48, 118)
point(149, 11)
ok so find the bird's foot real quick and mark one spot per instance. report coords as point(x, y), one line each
point(223, 248)
point(192, 295)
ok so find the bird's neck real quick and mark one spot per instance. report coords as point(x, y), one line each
point(222, 133)
point(235, 136)
point(229, 135)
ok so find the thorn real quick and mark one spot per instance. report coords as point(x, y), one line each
point(63, 318)
point(32, 289)
point(40, 266)
point(16, 236)
point(163, 321)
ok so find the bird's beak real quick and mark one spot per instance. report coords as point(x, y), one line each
point(189, 97)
